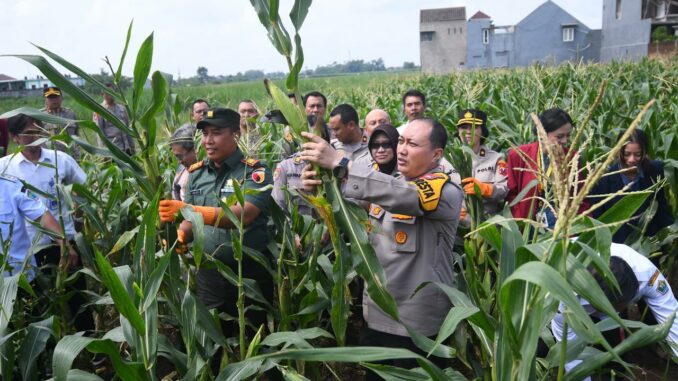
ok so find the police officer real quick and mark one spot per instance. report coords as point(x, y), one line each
point(638, 279)
point(489, 167)
point(414, 218)
point(211, 181)
point(53, 101)
point(349, 138)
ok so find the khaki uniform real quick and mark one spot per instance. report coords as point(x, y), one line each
point(287, 175)
point(113, 133)
point(72, 129)
point(352, 151)
point(413, 225)
point(489, 167)
point(207, 185)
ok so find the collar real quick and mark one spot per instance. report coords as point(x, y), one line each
point(42, 159)
point(230, 162)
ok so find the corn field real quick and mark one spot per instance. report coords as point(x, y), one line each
point(151, 326)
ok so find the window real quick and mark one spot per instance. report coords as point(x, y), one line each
point(618, 10)
point(426, 36)
point(448, 31)
point(568, 34)
point(486, 36)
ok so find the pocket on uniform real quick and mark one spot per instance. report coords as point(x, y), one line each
point(404, 233)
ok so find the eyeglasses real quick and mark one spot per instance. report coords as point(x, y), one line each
point(385, 146)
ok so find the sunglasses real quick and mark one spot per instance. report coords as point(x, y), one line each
point(385, 146)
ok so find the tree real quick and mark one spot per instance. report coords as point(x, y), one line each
point(202, 74)
point(408, 65)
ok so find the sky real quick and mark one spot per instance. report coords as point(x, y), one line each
point(226, 37)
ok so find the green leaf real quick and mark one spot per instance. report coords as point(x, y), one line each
point(298, 14)
point(70, 346)
point(142, 68)
point(453, 318)
point(159, 87)
point(154, 282)
point(76, 70)
point(8, 290)
point(123, 301)
point(33, 345)
point(388, 372)
point(81, 375)
point(124, 239)
point(118, 73)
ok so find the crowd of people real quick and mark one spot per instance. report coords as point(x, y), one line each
point(414, 197)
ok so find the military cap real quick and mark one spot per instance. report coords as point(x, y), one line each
point(472, 116)
point(274, 116)
point(220, 117)
point(51, 91)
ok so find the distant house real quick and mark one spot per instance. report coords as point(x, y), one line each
point(549, 35)
point(628, 26)
point(442, 39)
point(18, 88)
point(38, 82)
point(8, 83)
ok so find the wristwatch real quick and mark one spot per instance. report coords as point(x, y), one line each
point(341, 170)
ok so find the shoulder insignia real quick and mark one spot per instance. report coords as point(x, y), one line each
point(297, 159)
point(402, 217)
point(364, 138)
point(375, 166)
point(501, 167)
point(662, 287)
point(259, 175)
point(653, 278)
point(195, 166)
point(482, 152)
point(430, 187)
point(288, 137)
point(250, 161)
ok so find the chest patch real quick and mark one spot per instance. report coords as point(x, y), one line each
point(258, 176)
point(195, 192)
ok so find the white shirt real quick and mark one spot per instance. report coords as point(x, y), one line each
point(42, 177)
point(653, 288)
point(15, 208)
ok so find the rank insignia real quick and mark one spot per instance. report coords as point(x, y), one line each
point(259, 176)
point(400, 237)
point(375, 166)
point(250, 161)
point(468, 115)
point(289, 137)
point(297, 159)
point(195, 166)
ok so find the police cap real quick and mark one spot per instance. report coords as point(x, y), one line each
point(51, 91)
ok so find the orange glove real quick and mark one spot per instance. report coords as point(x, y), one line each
point(485, 188)
point(169, 208)
point(463, 214)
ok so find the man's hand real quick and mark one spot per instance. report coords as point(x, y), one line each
point(168, 209)
point(463, 214)
point(73, 257)
point(320, 152)
point(309, 179)
point(485, 188)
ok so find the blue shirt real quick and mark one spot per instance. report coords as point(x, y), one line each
point(15, 208)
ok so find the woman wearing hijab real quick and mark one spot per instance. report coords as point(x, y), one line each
point(383, 145)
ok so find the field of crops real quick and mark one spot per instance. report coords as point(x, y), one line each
point(151, 326)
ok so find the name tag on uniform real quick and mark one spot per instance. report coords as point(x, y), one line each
point(228, 188)
point(195, 192)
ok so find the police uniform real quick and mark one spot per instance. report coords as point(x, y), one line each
point(287, 175)
point(113, 133)
point(41, 175)
point(15, 208)
point(413, 225)
point(71, 128)
point(653, 288)
point(207, 185)
point(352, 151)
point(488, 167)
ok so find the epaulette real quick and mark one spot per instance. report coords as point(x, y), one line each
point(250, 162)
point(430, 187)
point(196, 166)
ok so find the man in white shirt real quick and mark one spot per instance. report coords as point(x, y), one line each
point(638, 278)
point(45, 170)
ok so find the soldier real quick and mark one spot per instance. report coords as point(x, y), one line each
point(183, 148)
point(374, 118)
point(414, 218)
point(211, 181)
point(349, 137)
point(53, 101)
point(414, 106)
point(117, 136)
point(489, 167)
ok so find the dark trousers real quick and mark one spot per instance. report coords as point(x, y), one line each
point(82, 321)
point(371, 338)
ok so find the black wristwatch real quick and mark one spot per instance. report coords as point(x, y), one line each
point(341, 170)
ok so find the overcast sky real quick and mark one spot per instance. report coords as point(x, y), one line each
point(225, 35)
